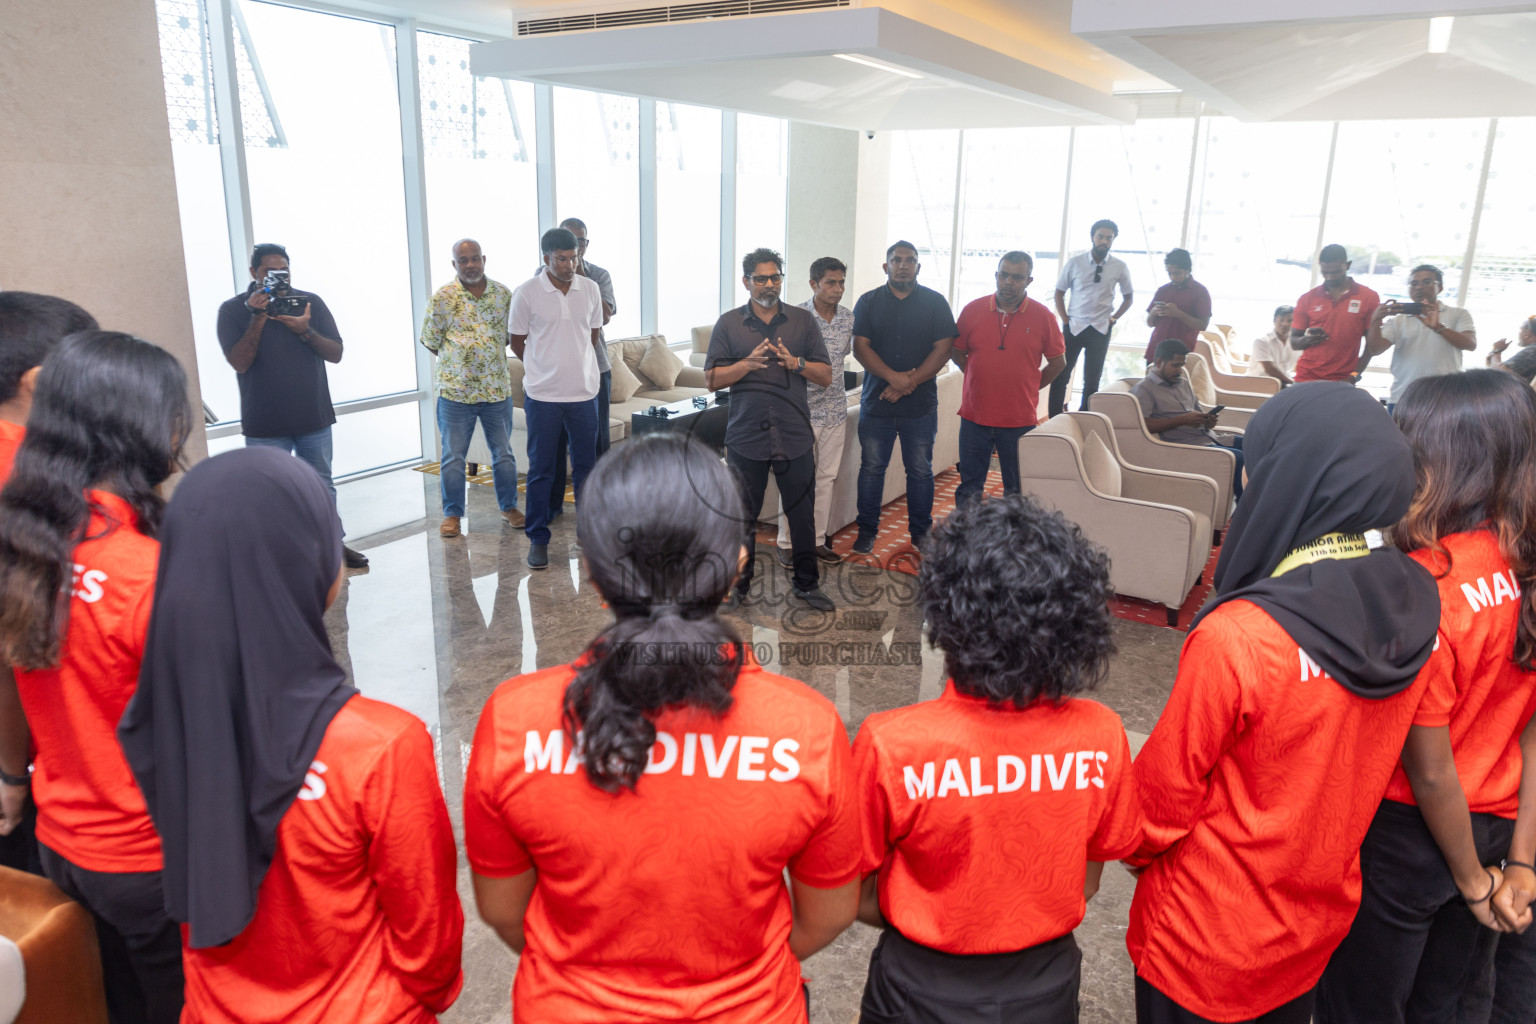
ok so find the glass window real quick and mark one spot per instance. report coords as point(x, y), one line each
point(1253, 222)
point(1138, 177)
point(1015, 183)
point(479, 144)
point(328, 183)
point(922, 204)
point(597, 179)
point(762, 183)
point(1402, 195)
point(378, 437)
point(186, 61)
point(687, 219)
point(1502, 290)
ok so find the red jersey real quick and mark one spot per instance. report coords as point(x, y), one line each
point(1003, 361)
point(359, 910)
point(955, 794)
point(1345, 322)
point(89, 809)
point(10, 440)
point(1258, 783)
point(1479, 613)
point(668, 903)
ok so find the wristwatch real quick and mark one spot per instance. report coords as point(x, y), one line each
point(800, 366)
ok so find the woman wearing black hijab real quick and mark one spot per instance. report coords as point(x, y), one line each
point(1295, 693)
point(307, 844)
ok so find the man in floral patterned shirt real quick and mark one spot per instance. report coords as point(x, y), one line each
point(829, 405)
point(466, 328)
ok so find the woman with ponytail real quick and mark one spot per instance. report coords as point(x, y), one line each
point(1416, 948)
point(629, 818)
point(78, 518)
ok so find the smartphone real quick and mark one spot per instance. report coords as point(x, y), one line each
point(1411, 308)
point(1215, 410)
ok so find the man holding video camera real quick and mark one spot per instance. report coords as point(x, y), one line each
point(1426, 336)
point(279, 339)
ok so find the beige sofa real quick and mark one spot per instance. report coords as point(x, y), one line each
point(650, 351)
point(1158, 544)
point(1141, 447)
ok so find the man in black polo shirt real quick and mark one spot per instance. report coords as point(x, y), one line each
point(765, 352)
point(902, 335)
point(285, 399)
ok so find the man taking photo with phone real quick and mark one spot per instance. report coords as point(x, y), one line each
point(1426, 336)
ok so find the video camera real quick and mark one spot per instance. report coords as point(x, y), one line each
point(279, 302)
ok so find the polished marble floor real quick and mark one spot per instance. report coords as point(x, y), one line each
point(433, 626)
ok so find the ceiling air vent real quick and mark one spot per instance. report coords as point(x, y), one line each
point(665, 15)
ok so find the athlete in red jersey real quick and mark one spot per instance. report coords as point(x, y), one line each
point(629, 818)
point(78, 516)
point(30, 326)
point(307, 844)
point(1295, 692)
point(1415, 950)
point(1007, 767)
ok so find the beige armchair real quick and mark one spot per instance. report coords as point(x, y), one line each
point(1223, 345)
point(1139, 446)
point(1229, 378)
point(1239, 405)
point(701, 336)
point(1157, 549)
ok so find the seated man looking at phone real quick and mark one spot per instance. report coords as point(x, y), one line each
point(1426, 336)
point(1169, 408)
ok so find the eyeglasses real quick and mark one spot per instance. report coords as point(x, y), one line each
point(1098, 272)
point(767, 278)
point(582, 243)
point(569, 260)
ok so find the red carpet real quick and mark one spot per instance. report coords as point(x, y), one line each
point(893, 550)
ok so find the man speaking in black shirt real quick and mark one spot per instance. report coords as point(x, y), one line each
point(279, 339)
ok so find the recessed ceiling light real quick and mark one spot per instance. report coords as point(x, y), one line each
point(1440, 34)
point(876, 64)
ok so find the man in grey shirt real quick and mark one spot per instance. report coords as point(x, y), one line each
point(1427, 343)
point(1171, 412)
point(604, 282)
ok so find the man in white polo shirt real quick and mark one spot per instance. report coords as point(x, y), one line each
point(554, 325)
point(1426, 341)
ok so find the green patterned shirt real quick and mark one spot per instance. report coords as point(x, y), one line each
point(469, 338)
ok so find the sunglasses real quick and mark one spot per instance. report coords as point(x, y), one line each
point(1098, 272)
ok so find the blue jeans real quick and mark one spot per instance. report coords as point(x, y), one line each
point(314, 450)
point(456, 423)
point(877, 437)
point(976, 444)
point(557, 489)
point(1236, 448)
point(546, 420)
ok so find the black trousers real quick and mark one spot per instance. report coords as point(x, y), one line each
point(1153, 1007)
point(1511, 989)
point(18, 851)
point(1414, 947)
point(140, 945)
point(1092, 346)
point(797, 483)
point(562, 449)
point(911, 984)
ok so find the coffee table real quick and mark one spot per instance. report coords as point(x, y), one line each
point(705, 424)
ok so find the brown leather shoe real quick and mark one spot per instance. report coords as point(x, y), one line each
point(514, 517)
point(450, 527)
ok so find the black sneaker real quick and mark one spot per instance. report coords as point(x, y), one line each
point(826, 554)
point(815, 598)
point(538, 556)
point(865, 544)
point(354, 559)
point(786, 558)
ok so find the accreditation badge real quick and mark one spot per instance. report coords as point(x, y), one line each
point(1354, 305)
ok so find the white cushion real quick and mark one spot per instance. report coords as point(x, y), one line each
point(660, 364)
point(1103, 471)
point(625, 383)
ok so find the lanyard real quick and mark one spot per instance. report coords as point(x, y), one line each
point(1329, 545)
point(1003, 321)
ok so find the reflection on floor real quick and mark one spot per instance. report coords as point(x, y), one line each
point(433, 626)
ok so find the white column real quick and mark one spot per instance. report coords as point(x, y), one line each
point(821, 210)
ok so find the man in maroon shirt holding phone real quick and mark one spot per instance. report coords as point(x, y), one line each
point(1331, 321)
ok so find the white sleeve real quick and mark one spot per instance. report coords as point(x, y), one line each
point(596, 318)
point(520, 317)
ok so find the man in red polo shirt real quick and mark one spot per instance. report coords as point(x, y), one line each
point(1002, 339)
point(1331, 321)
